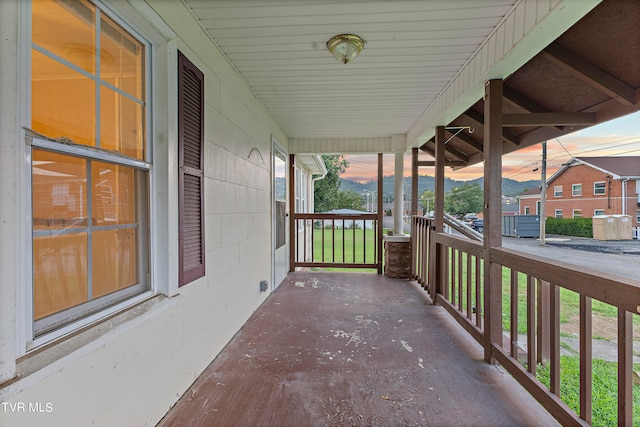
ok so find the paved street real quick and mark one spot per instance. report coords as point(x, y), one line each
point(589, 253)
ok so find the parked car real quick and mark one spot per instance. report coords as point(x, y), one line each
point(478, 225)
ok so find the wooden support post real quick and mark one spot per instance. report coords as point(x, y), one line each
point(437, 250)
point(414, 206)
point(492, 215)
point(380, 213)
point(292, 209)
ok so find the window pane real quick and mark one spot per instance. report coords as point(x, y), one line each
point(63, 101)
point(114, 260)
point(113, 194)
point(122, 59)
point(66, 29)
point(59, 191)
point(59, 273)
point(121, 124)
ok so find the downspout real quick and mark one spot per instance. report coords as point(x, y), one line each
point(322, 175)
point(609, 191)
point(322, 167)
point(624, 196)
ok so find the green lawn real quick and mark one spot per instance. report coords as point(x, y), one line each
point(605, 392)
point(359, 247)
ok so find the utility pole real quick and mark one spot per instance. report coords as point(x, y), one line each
point(543, 194)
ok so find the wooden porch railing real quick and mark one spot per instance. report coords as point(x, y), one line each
point(457, 284)
point(337, 241)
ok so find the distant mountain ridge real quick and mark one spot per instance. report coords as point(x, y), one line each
point(510, 187)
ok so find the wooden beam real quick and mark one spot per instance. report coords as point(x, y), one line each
point(590, 73)
point(550, 119)
point(426, 163)
point(519, 100)
point(456, 153)
point(469, 140)
point(432, 163)
point(507, 135)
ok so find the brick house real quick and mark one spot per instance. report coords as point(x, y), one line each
point(589, 186)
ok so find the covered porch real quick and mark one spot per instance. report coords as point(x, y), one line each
point(353, 349)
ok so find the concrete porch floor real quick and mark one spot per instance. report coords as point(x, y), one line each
point(353, 349)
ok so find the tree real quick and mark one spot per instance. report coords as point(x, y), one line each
point(350, 200)
point(325, 196)
point(427, 200)
point(466, 199)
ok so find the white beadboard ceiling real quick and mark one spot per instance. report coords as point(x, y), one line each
point(414, 49)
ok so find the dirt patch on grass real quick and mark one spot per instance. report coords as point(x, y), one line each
point(602, 326)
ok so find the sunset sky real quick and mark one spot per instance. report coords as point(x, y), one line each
point(616, 137)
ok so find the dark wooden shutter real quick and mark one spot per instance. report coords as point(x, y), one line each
point(191, 175)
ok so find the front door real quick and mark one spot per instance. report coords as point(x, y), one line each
point(280, 215)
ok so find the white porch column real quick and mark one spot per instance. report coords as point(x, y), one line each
point(398, 195)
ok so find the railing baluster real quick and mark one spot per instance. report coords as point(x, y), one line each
point(313, 236)
point(343, 250)
point(323, 245)
point(304, 239)
point(469, 294)
point(425, 254)
point(460, 253)
point(542, 321)
point(353, 242)
point(445, 275)
point(514, 314)
point(554, 368)
point(531, 325)
point(479, 302)
point(625, 368)
point(586, 366)
point(364, 240)
point(452, 279)
point(333, 239)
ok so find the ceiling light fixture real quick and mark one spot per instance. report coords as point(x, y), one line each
point(345, 47)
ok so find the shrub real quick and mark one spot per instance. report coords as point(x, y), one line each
point(577, 227)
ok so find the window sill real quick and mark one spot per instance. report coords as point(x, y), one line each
point(55, 350)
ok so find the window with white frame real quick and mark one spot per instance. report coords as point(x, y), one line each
point(597, 212)
point(526, 210)
point(576, 190)
point(599, 188)
point(538, 204)
point(557, 213)
point(557, 191)
point(638, 217)
point(576, 213)
point(90, 163)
